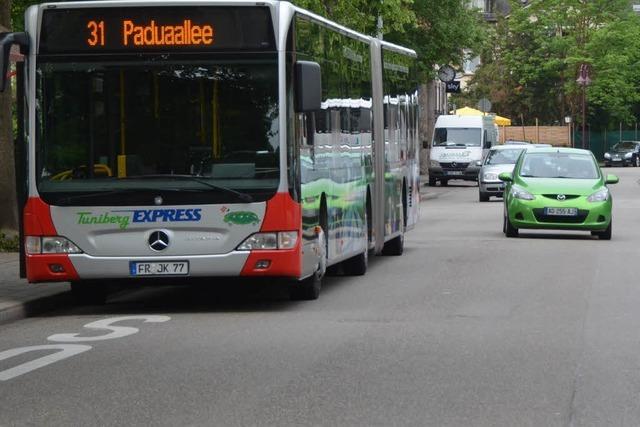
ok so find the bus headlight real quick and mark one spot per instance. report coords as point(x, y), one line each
point(50, 245)
point(434, 163)
point(270, 241)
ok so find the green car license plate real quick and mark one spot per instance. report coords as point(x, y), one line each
point(159, 268)
point(561, 211)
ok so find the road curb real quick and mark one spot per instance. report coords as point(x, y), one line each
point(34, 307)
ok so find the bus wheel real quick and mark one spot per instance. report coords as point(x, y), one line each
point(90, 293)
point(432, 181)
point(444, 182)
point(307, 289)
point(394, 246)
point(357, 265)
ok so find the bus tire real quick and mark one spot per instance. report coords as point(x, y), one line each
point(307, 289)
point(357, 265)
point(90, 293)
point(444, 182)
point(432, 181)
point(394, 247)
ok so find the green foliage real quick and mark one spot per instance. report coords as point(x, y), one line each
point(443, 32)
point(362, 15)
point(437, 29)
point(17, 12)
point(531, 64)
point(9, 243)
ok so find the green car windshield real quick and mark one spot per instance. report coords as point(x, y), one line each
point(559, 165)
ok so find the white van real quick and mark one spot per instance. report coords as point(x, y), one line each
point(458, 145)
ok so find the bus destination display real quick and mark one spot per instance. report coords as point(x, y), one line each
point(122, 30)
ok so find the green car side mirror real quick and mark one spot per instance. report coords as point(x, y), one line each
point(506, 177)
point(612, 179)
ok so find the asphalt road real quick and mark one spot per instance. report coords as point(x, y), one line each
point(467, 328)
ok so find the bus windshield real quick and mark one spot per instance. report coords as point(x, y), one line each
point(149, 123)
point(465, 137)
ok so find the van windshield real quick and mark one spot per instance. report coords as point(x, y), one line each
point(465, 137)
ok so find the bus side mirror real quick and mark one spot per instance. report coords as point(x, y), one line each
point(6, 41)
point(308, 86)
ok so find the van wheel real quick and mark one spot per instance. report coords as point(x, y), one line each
point(483, 197)
point(90, 292)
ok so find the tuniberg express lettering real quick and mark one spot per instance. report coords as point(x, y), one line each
point(152, 34)
point(140, 216)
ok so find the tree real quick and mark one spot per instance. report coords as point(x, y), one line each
point(362, 15)
point(8, 211)
point(614, 95)
point(534, 58)
point(443, 31)
point(438, 30)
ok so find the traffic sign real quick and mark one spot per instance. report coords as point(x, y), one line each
point(453, 87)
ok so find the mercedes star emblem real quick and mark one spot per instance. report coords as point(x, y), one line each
point(454, 164)
point(158, 241)
point(561, 197)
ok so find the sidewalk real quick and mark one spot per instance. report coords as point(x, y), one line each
point(19, 299)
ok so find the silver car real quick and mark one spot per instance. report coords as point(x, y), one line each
point(500, 158)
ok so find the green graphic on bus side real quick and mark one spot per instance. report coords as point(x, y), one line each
point(241, 218)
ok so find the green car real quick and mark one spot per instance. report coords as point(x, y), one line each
point(558, 189)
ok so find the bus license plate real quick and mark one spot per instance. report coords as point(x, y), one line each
point(159, 268)
point(561, 211)
point(454, 172)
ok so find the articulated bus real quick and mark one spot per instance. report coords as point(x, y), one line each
point(209, 139)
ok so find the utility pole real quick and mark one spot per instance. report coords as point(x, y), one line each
point(584, 80)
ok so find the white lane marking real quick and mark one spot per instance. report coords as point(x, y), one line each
point(116, 331)
point(63, 351)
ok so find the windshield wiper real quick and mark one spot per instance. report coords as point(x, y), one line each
point(247, 198)
point(97, 194)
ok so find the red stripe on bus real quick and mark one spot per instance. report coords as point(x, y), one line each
point(282, 214)
point(44, 268)
point(40, 268)
point(37, 218)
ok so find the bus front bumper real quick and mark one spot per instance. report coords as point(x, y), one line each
point(74, 267)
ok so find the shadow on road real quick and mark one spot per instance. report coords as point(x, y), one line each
point(214, 295)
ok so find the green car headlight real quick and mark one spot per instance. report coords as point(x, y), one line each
point(601, 195)
point(520, 193)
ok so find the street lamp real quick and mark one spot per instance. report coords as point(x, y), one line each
point(584, 80)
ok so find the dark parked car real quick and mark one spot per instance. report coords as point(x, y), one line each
point(623, 153)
